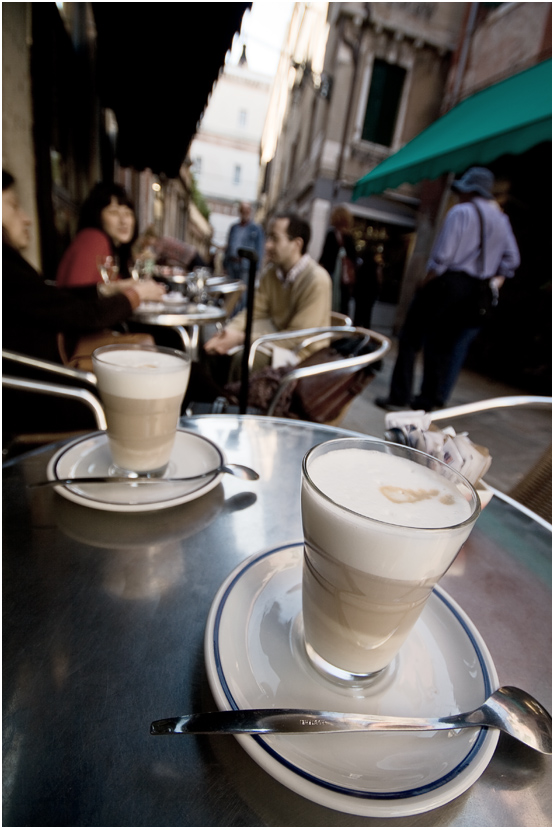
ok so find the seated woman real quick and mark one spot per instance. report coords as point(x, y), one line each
point(107, 228)
point(34, 313)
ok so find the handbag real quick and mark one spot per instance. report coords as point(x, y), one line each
point(81, 357)
point(348, 272)
point(322, 398)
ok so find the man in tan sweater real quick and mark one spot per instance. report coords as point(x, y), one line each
point(294, 292)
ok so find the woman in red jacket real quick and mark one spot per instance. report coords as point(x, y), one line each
point(107, 228)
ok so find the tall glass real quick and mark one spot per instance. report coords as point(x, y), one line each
point(142, 389)
point(382, 523)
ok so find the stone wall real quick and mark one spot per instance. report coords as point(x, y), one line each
point(18, 154)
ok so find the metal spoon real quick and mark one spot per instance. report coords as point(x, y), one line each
point(509, 709)
point(233, 469)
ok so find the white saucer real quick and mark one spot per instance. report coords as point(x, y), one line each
point(255, 659)
point(90, 456)
point(174, 299)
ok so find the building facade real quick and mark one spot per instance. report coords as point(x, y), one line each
point(356, 83)
point(361, 80)
point(59, 139)
point(225, 153)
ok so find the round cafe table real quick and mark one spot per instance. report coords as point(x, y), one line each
point(104, 622)
point(181, 317)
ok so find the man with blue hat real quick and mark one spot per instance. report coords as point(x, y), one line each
point(473, 254)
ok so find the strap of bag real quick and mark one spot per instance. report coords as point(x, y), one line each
point(482, 251)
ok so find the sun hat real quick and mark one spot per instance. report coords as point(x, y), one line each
point(476, 180)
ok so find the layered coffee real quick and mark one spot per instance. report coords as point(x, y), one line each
point(380, 530)
point(142, 390)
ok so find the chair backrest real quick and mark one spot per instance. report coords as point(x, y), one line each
point(339, 319)
point(27, 424)
point(230, 300)
point(534, 488)
point(334, 366)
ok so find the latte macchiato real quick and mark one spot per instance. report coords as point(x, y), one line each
point(142, 389)
point(381, 527)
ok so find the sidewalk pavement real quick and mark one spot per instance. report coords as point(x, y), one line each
point(516, 437)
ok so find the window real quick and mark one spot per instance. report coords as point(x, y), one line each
point(383, 102)
point(237, 174)
point(242, 118)
point(197, 166)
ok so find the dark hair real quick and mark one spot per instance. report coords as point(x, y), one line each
point(296, 227)
point(7, 180)
point(90, 217)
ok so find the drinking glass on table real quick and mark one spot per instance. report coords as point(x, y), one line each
point(108, 267)
point(142, 389)
point(382, 523)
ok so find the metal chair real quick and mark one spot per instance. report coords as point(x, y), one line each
point(534, 490)
point(324, 335)
point(35, 376)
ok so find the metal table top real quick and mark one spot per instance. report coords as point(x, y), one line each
point(185, 314)
point(104, 618)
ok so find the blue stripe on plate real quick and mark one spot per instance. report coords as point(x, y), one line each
point(365, 794)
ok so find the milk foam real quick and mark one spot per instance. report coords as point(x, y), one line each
point(410, 541)
point(139, 374)
point(389, 488)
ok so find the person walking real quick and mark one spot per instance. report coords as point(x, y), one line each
point(339, 258)
point(243, 234)
point(475, 251)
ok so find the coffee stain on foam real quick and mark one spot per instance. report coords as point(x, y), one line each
point(404, 495)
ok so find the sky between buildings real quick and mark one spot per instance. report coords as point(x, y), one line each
point(263, 30)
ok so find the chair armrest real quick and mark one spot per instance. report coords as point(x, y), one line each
point(312, 335)
point(489, 403)
point(47, 388)
point(49, 367)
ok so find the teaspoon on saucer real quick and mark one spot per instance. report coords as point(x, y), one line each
point(238, 470)
point(509, 709)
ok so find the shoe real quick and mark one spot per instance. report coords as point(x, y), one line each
point(390, 406)
point(419, 403)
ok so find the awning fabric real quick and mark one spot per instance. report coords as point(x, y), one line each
point(508, 117)
point(156, 65)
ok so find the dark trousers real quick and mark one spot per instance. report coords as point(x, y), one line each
point(443, 319)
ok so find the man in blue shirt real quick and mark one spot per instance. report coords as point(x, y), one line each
point(474, 252)
point(244, 234)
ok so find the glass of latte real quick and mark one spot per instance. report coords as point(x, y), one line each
point(382, 523)
point(142, 389)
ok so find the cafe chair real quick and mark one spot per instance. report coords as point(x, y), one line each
point(45, 402)
point(534, 490)
point(339, 319)
point(352, 373)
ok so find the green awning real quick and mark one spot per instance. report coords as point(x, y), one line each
point(508, 117)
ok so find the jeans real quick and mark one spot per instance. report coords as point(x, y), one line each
point(442, 321)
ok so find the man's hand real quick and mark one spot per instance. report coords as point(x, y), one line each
point(224, 341)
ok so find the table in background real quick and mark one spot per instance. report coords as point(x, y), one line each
point(181, 317)
point(104, 618)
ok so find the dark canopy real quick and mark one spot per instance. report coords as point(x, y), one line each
point(156, 65)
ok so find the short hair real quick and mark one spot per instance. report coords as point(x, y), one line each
point(7, 180)
point(100, 197)
point(297, 227)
